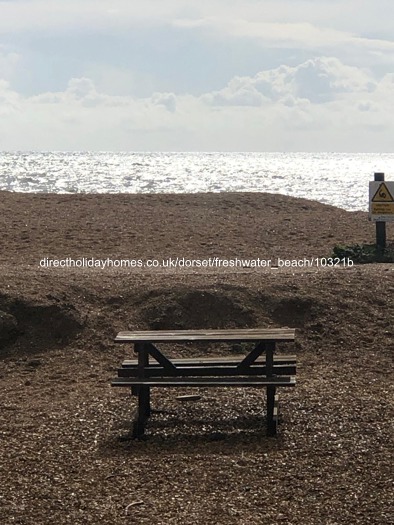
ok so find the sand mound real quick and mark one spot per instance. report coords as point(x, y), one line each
point(35, 326)
point(185, 308)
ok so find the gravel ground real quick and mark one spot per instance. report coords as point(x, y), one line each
point(62, 458)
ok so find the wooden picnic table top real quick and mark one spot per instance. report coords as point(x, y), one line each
point(237, 334)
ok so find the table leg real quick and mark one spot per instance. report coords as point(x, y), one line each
point(271, 390)
point(144, 409)
point(271, 422)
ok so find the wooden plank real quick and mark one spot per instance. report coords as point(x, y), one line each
point(217, 361)
point(271, 423)
point(252, 356)
point(144, 408)
point(269, 357)
point(276, 408)
point(184, 371)
point(244, 334)
point(205, 381)
point(161, 359)
point(143, 358)
point(275, 416)
point(139, 422)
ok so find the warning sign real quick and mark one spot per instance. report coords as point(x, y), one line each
point(382, 194)
point(381, 201)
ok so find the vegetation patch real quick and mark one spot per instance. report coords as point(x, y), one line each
point(364, 253)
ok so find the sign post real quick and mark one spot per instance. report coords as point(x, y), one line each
point(381, 207)
point(380, 225)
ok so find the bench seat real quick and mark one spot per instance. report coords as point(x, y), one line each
point(216, 361)
point(187, 371)
point(204, 381)
point(284, 365)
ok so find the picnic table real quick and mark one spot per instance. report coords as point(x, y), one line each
point(260, 367)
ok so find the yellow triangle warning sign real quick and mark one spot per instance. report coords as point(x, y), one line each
point(382, 194)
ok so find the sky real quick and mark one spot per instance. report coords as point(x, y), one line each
point(216, 75)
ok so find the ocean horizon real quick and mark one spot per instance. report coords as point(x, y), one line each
point(338, 179)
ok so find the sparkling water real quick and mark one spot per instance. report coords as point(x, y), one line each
point(340, 179)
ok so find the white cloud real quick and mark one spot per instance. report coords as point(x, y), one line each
point(303, 23)
point(168, 100)
point(53, 16)
point(81, 88)
point(116, 80)
point(144, 47)
point(115, 74)
point(317, 80)
point(321, 104)
point(240, 91)
point(9, 100)
point(276, 34)
point(8, 63)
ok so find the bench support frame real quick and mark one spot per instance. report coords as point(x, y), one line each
point(257, 369)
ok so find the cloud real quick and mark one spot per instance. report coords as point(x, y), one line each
point(320, 104)
point(81, 88)
point(52, 16)
point(240, 91)
point(321, 25)
point(276, 34)
point(8, 63)
point(170, 46)
point(317, 80)
point(166, 74)
point(278, 23)
point(168, 100)
point(10, 101)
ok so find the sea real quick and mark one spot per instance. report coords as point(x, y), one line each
point(339, 179)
